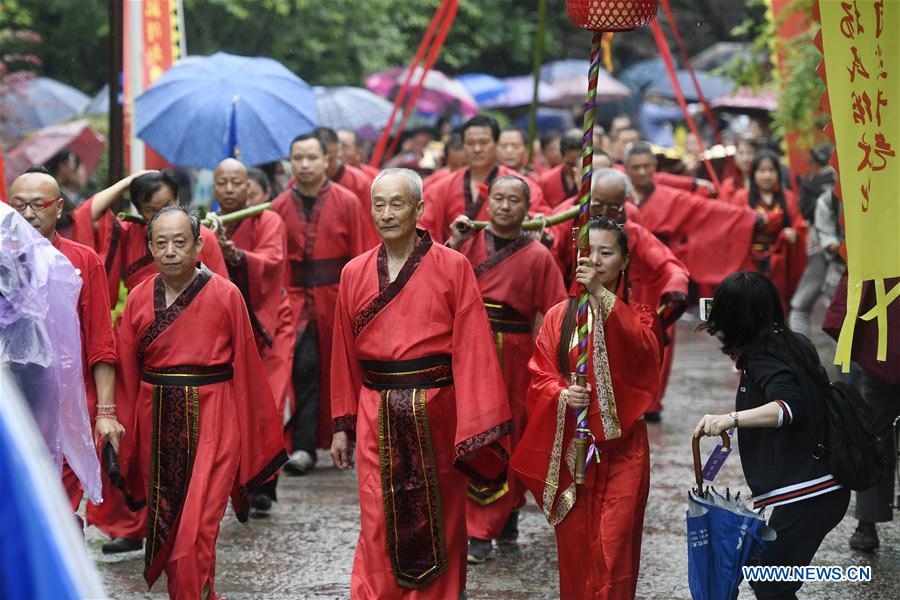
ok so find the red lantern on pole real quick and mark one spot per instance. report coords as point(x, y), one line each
point(611, 15)
point(599, 16)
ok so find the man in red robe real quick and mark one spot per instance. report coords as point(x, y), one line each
point(254, 249)
point(36, 196)
point(713, 239)
point(122, 244)
point(465, 191)
point(519, 282)
point(562, 181)
point(417, 391)
point(197, 404)
point(655, 276)
point(512, 150)
point(353, 154)
point(344, 174)
point(599, 524)
point(326, 227)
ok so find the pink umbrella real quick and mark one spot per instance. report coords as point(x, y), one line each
point(439, 95)
point(43, 145)
point(746, 99)
point(573, 89)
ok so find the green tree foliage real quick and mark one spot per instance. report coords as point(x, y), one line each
point(800, 89)
point(339, 42)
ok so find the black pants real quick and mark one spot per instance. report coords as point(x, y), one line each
point(883, 400)
point(801, 527)
point(306, 377)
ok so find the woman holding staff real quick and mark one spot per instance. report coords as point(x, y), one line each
point(599, 526)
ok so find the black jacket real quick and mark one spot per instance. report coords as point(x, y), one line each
point(779, 463)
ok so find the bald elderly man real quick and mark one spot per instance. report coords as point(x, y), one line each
point(36, 196)
point(254, 249)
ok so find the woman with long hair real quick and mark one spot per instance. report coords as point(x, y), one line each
point(738, 171)
point(779, 250)
point(599, 524)
point(780, 413)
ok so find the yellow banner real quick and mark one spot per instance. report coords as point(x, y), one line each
point(861, 44)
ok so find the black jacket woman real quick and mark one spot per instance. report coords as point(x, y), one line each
point(779, 411)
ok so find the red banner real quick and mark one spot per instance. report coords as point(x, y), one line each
point(159, 50)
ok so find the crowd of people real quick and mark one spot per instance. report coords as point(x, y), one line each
point(417, 332)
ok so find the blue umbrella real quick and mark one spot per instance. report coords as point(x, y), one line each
point(203, 107)
point(39, 102)
point(722, 536)
point(483, 87)
point(351, 108)
point(713, 87)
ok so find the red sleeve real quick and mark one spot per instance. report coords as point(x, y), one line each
point(128, 384)
point(262, 443)
point(654, 267)
point(551, 288)
point(211, 255)
point(83, 225)
point(482, 409)
point(718, 235)
point(95, 316)
point(346, 375)
point(681, 182)
point(266, 260)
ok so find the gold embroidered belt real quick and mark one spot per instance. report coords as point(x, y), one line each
point(174, 442)
point(410, 488)
point(427, 372)
point(504, 319)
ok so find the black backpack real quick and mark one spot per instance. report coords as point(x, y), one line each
point(853, 446)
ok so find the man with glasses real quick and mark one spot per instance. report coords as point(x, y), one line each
point(656, 277)
point(36, 196)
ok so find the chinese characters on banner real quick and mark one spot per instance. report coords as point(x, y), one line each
point(159, 49)
point(861, 46)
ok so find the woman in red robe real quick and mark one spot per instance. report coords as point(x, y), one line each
point(599, 524)
point(739, 172)
point(779, 250)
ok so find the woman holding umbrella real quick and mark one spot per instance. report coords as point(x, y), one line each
point(599, 524)
point(779, 405)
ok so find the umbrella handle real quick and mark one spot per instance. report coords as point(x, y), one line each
point(698, 470)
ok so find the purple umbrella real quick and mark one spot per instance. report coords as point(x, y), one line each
point(439, 92)
point(519, 93)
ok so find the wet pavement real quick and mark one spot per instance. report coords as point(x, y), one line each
point(305, 548)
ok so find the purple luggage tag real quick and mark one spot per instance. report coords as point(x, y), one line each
point(714, 463)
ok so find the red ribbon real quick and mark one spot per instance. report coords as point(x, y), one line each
point(682, 52)
point(437, 32)
point(663, 45)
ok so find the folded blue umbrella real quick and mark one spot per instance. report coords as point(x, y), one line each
point(204, 107)
point(722, 537)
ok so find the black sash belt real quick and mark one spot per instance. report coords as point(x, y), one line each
point(188, 376)
point(317, 272)
point(504, 319)
point(419, 373)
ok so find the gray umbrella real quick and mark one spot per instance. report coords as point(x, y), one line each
point(39, 102)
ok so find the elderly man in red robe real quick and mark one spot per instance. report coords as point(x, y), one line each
point(519, 282)
point(465, 191)
point(656, 277)
point(326, 227)
point(36, 196)
point(254, 249)
point(562, 181)
point(197, 404)
point(416, 391)
point(122, 244)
